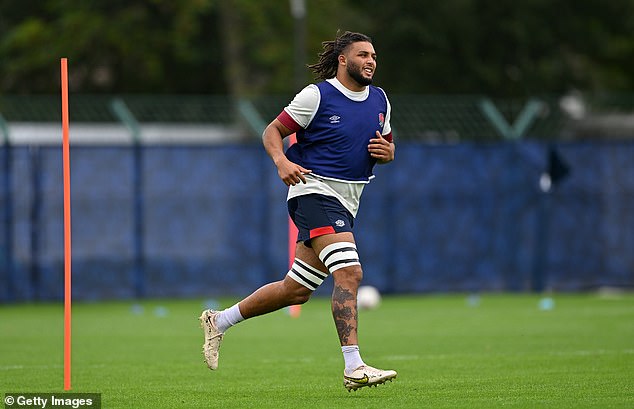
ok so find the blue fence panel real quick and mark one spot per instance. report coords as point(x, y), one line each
point(24, 206)
point(102, 218)
point(464, 217)
point(205, 218)
point(592, 223)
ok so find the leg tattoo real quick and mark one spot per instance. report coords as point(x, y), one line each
point(344, 311)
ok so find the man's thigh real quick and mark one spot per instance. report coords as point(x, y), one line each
point(310, 255)
point(319, 243)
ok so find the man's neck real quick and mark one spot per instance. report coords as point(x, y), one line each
point(350, 83)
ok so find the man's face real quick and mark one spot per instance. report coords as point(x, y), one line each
point(361, 62)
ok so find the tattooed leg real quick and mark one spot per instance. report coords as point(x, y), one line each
point(338, 254)
point(344, 304)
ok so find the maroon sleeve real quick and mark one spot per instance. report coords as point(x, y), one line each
point(288, 122)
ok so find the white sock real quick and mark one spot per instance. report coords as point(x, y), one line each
point(228, 318)
point(351, 357)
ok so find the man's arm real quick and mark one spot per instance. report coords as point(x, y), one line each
point(273, 140)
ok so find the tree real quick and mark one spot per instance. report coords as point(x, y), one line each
point(245, 47)
point(122, 46)
point(506, 48)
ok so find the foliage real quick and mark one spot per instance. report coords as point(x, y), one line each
point(246, 47)
point(508, 48)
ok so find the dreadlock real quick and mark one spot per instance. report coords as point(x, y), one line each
point(326, 67)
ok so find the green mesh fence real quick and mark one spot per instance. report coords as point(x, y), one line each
point(190, 109)
point(47, 108)
point(145, 108)
point(440, 118)
point(611, 102)
point(430, 118)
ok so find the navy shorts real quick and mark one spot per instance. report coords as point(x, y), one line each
point(316, 215)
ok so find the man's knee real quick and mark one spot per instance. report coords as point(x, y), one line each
point(296, 293)
point(301, 298)
point(349, 276)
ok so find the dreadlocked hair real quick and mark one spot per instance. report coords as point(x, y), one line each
point(326, 67)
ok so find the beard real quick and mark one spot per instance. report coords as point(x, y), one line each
point(356, 73)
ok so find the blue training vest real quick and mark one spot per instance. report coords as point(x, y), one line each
point(335, 143)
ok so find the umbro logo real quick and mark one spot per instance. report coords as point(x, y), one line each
point(340, 223)
point(335, 119)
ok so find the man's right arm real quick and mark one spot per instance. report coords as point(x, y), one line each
point(273, 140)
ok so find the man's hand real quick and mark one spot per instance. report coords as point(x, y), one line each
point(381, 149)
point(291, 173)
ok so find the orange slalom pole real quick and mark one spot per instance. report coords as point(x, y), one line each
point(67, 238)
point(294, 310)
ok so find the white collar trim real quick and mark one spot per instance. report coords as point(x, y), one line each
point(353, 95)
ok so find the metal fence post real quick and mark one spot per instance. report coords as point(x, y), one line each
point(35, 216)
point(524, 120)
point(251, 116)
point(123, 113)
point(8, 209)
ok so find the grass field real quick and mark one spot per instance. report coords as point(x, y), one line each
point(450, 352)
